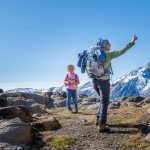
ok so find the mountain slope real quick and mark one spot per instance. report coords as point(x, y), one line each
point(135, 83)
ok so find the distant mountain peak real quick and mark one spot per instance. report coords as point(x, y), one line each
point(134, 83)
point(147, 66)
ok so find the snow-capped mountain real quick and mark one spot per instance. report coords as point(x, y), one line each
point(36, 91)
point(24, 90)
point(135, 83)
point(88, 89)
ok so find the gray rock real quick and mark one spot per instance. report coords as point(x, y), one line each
point(13, 101)
point(36, 116)
point(86, 103)
point(3, 100)
point(135, 99)
point(81, 96)
point(11, 112)
point(24, 96)
point(83, 120)
point(114, 105)
point(79, 100)
point(50, 103)
point(131, 101)
point(148, 134)
point(90, 99)
point(14, 131)
point(80, 106)
point(148, 111)
point(147, 138)
point(94, 106)
point(37, 108)
point(148, 129)
point(145, 102)
point(60, 102)
point(47, 124)
point(10, 146)
point(1, 91)
point(129, 104)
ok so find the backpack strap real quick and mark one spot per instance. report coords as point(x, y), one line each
point(112, 73)
point(76, 77)
point(67, 77)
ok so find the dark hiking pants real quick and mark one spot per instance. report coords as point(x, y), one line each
point(102, 87)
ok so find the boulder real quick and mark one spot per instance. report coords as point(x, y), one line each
point(63, 94)
point(145, 102)
point(147, 138)
point(135, 99)
point(148, 111)
point(79, 100)
point(86, 103)
point(83, 120)
point(94, 106)
point(37, 108)
point(3, 100)
point(129, 104)
point(60, 102)
point(1, 91)
point(11, 112)
point(114, 105)
point(10, 146)
point(49, 102)
point(37, 98)
point(90, 99)
point(50, 123)
point(47, 124)
point(82, 96)
point(13, 101)
point(14, 131)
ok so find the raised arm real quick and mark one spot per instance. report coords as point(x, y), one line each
point(115, 54)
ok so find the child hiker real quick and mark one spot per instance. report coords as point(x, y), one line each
point(71, 81)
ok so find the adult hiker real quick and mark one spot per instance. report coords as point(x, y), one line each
point(97, 63)
point(71, 81)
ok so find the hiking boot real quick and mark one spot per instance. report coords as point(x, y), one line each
point(70, 111)
point(76, 112)
point(103, 128)
point(96, 123)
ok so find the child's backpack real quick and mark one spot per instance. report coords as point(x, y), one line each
point(67, 77)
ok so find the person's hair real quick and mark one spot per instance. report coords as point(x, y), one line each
point(70, 66)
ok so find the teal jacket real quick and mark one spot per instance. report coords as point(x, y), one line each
point(110, 55)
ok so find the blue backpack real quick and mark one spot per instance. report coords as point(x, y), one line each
point(92, 62)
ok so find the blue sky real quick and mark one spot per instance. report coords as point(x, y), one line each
point(38, 38)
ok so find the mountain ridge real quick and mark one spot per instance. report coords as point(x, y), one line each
point(134, 83)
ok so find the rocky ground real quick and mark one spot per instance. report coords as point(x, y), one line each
point(127, 124)
point(26, 124)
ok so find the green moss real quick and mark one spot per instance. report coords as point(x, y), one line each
point(127, 121)
point(62, 141)
point(130, 121)
point(137, 141)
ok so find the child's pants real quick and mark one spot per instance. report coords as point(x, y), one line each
point(71, 94)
